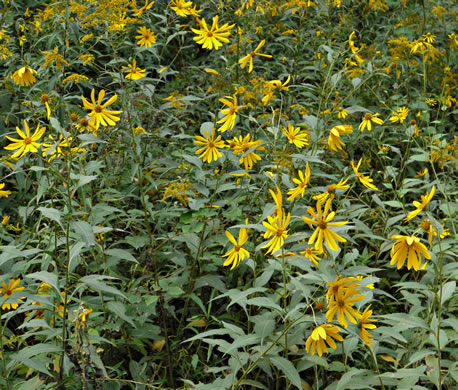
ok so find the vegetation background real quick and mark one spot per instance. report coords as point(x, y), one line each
point(238, 194)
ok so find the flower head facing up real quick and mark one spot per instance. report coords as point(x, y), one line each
point(323, 230)
point(322, 335)
point(237, 253)
point(295, 136)
point(368, 119)
point(24, 76)
point(366, 181)
point(334, 141)
point(4, 193)
point(8, 290)
point(211, 38)
point(408, 248)
point(364, 324)
point(276, 227)
point(230, 113)
point(145, 37)
point(400, 115)
point(99, 114)
point(210, 151)
point(184, 8)
point(133, 72)
point(342, 305)
point(338, 286)
point(301, 183)
point(311, 254)
point(425, 199)
point(242, 145)
point(249, 57)
point(27, 143)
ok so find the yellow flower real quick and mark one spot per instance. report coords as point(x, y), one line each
point(365, 180)
point(301, 184)
point(237, 253)
point(55, 147)
point(278, 200)
point(410, 248)
point(146, 7)
point(212, 38)
point(400, 115)
point(323, 333)
point(276, 227)
point(249, 58)
point(211, 145)
point(27, 144)
point(431, 102)
point(295, 136)
point(4, 193)
point(9, 290)
point(145, 37)
point(425, 199)
point(175, 100)
point(334, 141)
point(45, 99)
point(81, 320)
point(133, 72)
point(5, 219)
point(84, 125)
point(311, 254)
point(242, 145)
point(338, 286)
point(367, 121)
point(428, 227)
point(342, 306)
point(212, 71)
point(54, 56)
point(323, 230)
point(341, 113)
point(99, 115)
point(183, 8)
point(230, 113)
point(364, 324)
point(24, 76)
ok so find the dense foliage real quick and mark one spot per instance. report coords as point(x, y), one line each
point(239, 194)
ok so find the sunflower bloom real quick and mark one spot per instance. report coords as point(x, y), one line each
point(45, 99)
point(99, 115)
point(242, 145)
point(276, 227)
point(365, 180)
point(364, 324)
point(4, 193)
point(237, 253)
point(410, 248)
point(81, 320)
point(145, 37)
point(210, 151)
point(321, 335)
point(133, 72)
point(400, 115)
point(27, 144)
point(295, 136)
point(323, 230)
point(368, 119)
point(212, 38)
point(301, 183)
point(249, 58)
point(230, 113)
point(146, 7)
point(342, 306)
point(311, 254)
point(184, 8)
point(54, 149)
point(334, 141)
point(425, 199)
point(8, 290)
point(338, 286)
point(24, 76)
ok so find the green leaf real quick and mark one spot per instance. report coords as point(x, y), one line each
point(264, 302)
point(81, 180)
point(447, 290)
point(45, 277)
point(288, 369)
point(402, 319)
point(96, 283)
point(74, 253)
point(86, 232)
point(121, 254)
point(120, 310)
point(51, 213)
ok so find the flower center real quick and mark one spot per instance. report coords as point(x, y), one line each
point(367, 116)
point(211, 144)
point(98, 109)
point(322, 225)
point(252, 54)
point(279, 233)
point(209, 34)
point(340, 303)
point(27, 140)
point(237, 248)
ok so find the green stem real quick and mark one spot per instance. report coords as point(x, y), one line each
point(2, 356)
point(376, 367)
